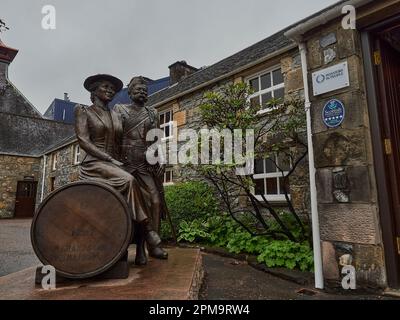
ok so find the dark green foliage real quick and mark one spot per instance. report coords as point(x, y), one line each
point(222, 231)
point(186, 202)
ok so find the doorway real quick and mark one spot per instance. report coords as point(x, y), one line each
point(25, 199)
point(382, 44)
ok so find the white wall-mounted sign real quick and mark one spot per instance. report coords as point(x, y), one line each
point(330, 79)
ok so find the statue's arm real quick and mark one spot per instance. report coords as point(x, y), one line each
point(83, 135)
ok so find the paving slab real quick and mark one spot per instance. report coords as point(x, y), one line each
point(178, 278)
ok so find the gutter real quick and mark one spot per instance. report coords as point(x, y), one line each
point(227, 75)
point(318, 266)
point(43, 177)
point(297, 32)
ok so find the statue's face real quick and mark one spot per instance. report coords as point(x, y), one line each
point(138, 93)
point(105, 91)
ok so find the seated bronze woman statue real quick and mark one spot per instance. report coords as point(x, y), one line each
point(99, 131)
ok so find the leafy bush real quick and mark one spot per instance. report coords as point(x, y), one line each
point(222, 231)
point(187, 202)
point(287, 254)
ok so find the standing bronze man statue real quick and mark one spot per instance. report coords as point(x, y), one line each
point(137, 120)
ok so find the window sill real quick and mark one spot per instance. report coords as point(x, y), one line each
point(277, 199)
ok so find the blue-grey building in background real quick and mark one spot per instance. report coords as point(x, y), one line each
point(63, 110)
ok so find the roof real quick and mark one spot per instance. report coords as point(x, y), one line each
point(61, 110)
point(266, 47)
point(153, 86)
point(29, 136)
point(61, 143)
point(7, 53)
point(321, 17)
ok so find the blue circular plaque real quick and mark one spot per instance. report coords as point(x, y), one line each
point(333, 113)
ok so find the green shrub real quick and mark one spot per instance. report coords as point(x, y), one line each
point(186, 202)
point(223, 231)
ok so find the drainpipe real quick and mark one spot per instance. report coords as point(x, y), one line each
point(319, 277)
point(43, 177)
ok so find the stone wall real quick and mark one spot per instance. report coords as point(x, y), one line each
point(347, 198)
point(66, 171)
point(12, 170)
point(187, 114)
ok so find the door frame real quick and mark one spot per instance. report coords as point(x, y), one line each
point(392, 258)
point(34, 184)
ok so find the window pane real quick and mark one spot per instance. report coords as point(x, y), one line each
point(167, 132)
point(266, 81)
point(162, 119)
point(168, 175)
point(259, 166)
point(272, 186)
point(259, 187)
point(168, 117)
point(266, 98)
point(277, 77)
point(279, 94)
point(255, 102)
point(270, 166)
point(254, 84)
point(282, 185)
point(172, 116)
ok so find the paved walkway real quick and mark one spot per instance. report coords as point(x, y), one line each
point(16, 251)
point(225, 279)
point(229, 279)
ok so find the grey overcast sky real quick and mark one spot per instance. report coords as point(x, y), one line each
point(132, 37)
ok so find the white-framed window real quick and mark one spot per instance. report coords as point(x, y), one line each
point(54, 161)
point(267, 85)
point(269, 178)
point(169, 176)
point(167, 123)
point(77, 154)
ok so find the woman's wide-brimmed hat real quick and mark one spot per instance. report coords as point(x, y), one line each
point(101, 77)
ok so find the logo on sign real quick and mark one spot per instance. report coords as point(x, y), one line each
point(333, 113)
point(320, 78)
point(331, 79)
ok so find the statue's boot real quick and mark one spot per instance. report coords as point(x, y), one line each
point(141, 258)
point(158, 253)
point(153, 244)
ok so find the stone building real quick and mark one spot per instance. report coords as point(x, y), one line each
point(357, 161)
point(351, 86)
point(24, 135)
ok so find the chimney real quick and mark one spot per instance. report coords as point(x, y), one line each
point(180, 70)
point(7, 56)
point(66, 98)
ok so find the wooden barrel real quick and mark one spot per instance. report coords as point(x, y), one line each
point(82, 229)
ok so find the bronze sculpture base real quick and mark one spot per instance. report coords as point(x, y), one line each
point(118, 272)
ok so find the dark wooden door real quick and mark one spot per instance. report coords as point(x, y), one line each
point(387, 59)
point(25, 199)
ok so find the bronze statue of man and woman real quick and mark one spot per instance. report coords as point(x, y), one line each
point(115, 144)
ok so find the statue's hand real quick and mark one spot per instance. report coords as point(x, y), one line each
point(117, 163)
